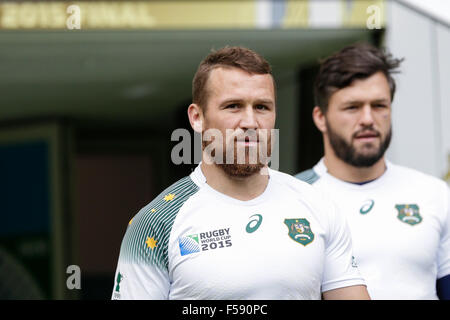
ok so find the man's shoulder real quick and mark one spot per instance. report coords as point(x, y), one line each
point(309, 176)
point(287, 179)
point(147, 236)
point(317, 200)
point(416, 177)
point(301, 188)
point(170, 200)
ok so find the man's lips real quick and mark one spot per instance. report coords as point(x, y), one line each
point(247, 139)
point(367, 136)
point(370, 134)
point(248, 143)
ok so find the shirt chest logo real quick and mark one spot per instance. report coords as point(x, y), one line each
point(300, 230)
point(254, 224)
point(366, 207)
point(203, 241)
point(409, 213)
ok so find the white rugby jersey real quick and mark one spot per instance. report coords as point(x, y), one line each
point(400, 225)
point(193, 242)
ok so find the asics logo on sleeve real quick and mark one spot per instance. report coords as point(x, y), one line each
point(254, 224)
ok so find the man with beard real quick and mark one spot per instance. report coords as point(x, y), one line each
point(234, 228)
point(399, 218)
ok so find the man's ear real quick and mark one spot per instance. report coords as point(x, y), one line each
point(195, 115)
point(319, 119)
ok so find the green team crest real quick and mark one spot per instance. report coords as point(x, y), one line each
point(300, 230)
point(409, 213)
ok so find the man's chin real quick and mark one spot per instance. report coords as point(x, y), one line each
point(366, 160)
point(367, 145)
point(241, 170)
point(367, 150)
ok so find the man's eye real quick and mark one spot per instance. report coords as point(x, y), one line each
point(351, 108)
point(231, 106)
point(261, 107)
point(380, 106)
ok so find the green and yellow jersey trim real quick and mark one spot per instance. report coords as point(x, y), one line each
point(146, 240)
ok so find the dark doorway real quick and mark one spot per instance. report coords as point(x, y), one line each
point(310, 145)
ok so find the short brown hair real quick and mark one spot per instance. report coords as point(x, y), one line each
point(358, 61)
point(237, 57)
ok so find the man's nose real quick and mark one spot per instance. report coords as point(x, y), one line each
point(248, 120)
point(366, 116)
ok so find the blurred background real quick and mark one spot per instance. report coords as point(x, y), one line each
point(91, 91)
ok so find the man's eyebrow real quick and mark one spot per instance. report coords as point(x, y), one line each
point(352, 102)
point(265, 101)
point(231, 100)
point(237, 100)
point(383, 100)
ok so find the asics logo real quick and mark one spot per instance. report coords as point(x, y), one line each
point(366, 207)
point(254, 224)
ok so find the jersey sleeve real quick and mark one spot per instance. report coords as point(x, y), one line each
point(340, 268)
point(140, 274)
point(444, 247)
point(143, 268)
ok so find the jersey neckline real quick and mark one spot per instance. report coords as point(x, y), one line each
point(199, 178)
point(321, 169)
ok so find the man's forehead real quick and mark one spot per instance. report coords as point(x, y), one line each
point(369, 89)
point(235, 75)
point(349, 96)
point(222, 80)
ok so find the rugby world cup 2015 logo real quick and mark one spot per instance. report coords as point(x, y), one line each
point(189, 244)
point(409, 213)
point(300, 230)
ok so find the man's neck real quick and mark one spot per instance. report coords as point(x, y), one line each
point(346, 172)
point(246, 188)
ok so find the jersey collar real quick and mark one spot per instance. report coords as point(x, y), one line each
point(199, 178)
point(321, 170)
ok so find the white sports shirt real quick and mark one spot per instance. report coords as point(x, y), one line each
point(400, 225)
point(193, 242)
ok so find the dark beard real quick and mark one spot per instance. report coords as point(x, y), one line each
point(347, 153)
